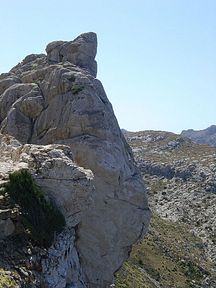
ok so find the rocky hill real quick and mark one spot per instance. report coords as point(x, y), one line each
point(180, 248)
point(57, 122)
point(205, 136)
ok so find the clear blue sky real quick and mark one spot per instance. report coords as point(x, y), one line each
point(156, 58)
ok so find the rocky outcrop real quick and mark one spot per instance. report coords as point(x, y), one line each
point(67, 185)
point(205, 136)
point(81, 52)
point(165, 170)
point(59, 100)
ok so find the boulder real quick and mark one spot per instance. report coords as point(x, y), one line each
point(7, 80)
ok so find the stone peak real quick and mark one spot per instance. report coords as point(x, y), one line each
point(81, 52)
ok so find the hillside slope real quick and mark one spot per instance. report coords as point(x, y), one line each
point(180, 179)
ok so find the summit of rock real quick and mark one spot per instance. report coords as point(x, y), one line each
point(80, 52)
point(81, 160)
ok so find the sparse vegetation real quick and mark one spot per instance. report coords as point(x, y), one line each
point(170, 255)
point(34, 66)
point(76, 88)
point(39, 216)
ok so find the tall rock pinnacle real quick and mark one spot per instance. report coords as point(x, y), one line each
point(56, 99)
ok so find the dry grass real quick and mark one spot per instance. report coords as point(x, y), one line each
point(170, 254)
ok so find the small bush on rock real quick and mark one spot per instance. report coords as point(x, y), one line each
point(77, 88)
point(39, 215)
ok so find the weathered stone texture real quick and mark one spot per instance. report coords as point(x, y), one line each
point(60, 101)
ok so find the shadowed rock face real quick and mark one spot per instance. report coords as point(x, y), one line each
point(57, 99)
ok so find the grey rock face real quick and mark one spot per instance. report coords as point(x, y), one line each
point(61, 102)
point(80, 52)
point(25, 103)
point(62, 266)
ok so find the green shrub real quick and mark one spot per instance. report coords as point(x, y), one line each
point(34, 66)
point(192, 271)
point(77, 88)
point(39, 216)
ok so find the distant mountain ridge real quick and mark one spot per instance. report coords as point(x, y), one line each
point(205, 136)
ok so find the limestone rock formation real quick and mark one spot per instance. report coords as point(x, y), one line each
point(66, 184)
point(56, 99)
point(80, 52)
